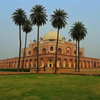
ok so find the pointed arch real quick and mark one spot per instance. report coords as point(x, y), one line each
point(50, 63)
point(59, 51)
point(42, 62)
point(58, 62)
point(64, 62)
point(68, 50)
point(43, 51)
point(35, 51)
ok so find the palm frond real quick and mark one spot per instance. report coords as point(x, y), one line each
point(78, 31)
point(27, 27)
point(19, 17)
point(38, 15)
point(58, 19)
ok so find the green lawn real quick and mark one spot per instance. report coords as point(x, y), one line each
point(49, 87)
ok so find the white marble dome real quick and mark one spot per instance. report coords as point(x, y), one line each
point(51, 35)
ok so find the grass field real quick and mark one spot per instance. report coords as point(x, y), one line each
point(49, 87)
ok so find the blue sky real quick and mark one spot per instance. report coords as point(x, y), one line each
point(86, 11)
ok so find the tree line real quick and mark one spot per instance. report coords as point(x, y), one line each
point(38, 17)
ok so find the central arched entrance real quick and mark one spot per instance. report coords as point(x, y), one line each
point(50, 63)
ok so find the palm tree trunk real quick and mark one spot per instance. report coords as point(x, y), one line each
point(19, 47)
point(38, 50)
point(56, 52)
point(24, 52)
point(78, 57)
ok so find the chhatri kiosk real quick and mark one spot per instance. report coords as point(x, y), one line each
point(47, 49)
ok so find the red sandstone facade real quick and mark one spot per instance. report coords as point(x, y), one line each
point(47, 49)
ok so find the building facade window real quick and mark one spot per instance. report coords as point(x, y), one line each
point(68, 52)
point(51, 48)
point(29, 52)
point(74, 52)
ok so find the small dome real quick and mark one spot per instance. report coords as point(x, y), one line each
point(51, 35)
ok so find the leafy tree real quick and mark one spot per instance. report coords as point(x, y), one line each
point(58, 20)
point(27, 27)
point(78, 32)
point(38, 17)
point(19, 17)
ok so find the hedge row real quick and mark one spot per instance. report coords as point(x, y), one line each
point(14, 69)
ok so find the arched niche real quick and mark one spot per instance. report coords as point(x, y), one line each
point(35, 51)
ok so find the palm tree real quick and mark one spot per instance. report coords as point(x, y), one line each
point(19, 17)
point(78, 32)
point(58, 20)
point(27, 27)
point(73, 35)
point(76, 57)
point(38, 17)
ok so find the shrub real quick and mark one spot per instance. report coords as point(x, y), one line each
point(14, 69)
